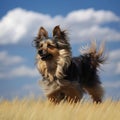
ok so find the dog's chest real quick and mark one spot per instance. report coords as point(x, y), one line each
point(47, 69)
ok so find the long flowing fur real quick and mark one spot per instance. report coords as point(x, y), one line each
point(66, 78)
point(97, 56)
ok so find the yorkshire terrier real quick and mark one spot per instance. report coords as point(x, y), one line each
point(67, 78)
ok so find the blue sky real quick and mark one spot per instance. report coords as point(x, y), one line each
point(85, 20)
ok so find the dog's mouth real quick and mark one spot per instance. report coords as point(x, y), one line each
point(46, 56)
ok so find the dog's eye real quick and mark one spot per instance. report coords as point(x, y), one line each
point(50, 46)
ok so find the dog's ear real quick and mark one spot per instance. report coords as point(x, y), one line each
point(42, 33)
point(57, 31)
point(60, 37)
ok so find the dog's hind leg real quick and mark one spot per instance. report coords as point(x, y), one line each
point(96, 92)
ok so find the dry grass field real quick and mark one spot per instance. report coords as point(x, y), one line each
point(31, 109)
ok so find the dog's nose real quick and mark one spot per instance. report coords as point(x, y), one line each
point(42, 52)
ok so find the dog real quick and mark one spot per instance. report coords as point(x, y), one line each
point(67, 78)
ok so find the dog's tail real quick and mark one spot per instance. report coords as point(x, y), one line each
point(91, 59)
point(95, 57)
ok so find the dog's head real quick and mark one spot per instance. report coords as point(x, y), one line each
point(48, 48)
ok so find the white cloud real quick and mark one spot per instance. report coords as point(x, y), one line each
point(112, 66)
point(91, 16)
point(115, 55)
point(118, 68)
point(6, 59)
point(82, 24)
point(96, 32)
point(21, 71)
point(112, 69)
point(13, 66)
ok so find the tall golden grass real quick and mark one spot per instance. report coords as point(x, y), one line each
point(32, 109)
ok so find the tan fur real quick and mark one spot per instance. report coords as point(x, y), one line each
point(55, 89)
point(63, 61)
point(47, 69)
point(55, 66)
point(97, 55)
point(55, 86)
point(42, 33)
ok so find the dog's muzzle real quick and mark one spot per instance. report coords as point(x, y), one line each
point(45, 55)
